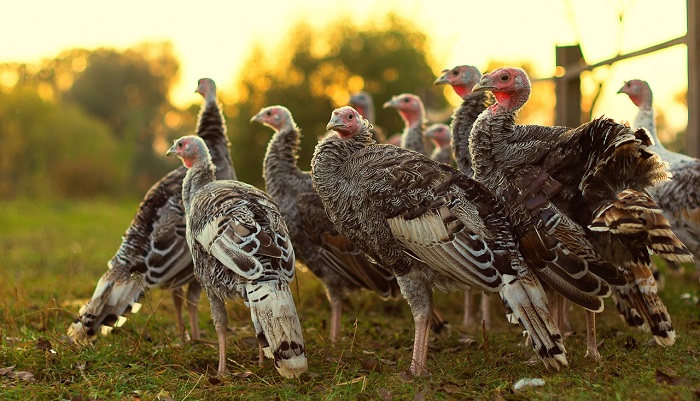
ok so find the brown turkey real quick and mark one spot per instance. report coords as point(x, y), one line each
point(336, 261)
point(411, 110)
point(153, 252)
point(579, 190)
point(241, 248)
point(431, 225)
point(462, 78)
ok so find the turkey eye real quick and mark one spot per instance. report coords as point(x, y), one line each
point(269, 113)
point(406, 100)
point(455, 72)
point(504, 77)
point(350, 117)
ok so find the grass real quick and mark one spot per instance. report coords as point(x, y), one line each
point(53, 253)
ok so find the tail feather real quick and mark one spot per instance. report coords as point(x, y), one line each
point(526, 299)
point(644, 309)
point(277, 325)
point(115, 296)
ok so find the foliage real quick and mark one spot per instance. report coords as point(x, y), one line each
point(54, 149)
point(314, 72)
point(55, 252)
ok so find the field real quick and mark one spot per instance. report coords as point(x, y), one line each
point(53, 253)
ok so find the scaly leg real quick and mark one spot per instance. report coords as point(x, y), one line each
point(336, 312)
point(419, 295)
point(218, 314)
point(193, 292)
point(468, 319)
point(485, 310)
point(178, 296)
point(591, 341)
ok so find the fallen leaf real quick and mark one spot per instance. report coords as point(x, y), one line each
point(43, 344)
point(667, 377)
point(4, 371)
point(451, 389)
point(527, 382)
point(26, 376)
point(242, 375)
point(385, 394)
point(214, 381)
point(371, 364)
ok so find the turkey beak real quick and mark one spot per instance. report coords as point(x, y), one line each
point(622, 90)
point(335, 122)
point(256, 117)
point(172, 150)
point(483, 85)
point(389, 103)
point(443, 79)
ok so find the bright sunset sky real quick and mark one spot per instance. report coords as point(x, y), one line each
point(211, 37)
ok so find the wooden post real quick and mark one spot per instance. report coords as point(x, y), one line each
point(692, 134)
point(568, 89)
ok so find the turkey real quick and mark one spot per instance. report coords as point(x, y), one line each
point(364, 104)
point(462, 78)
point(336, 261)
point(411, 109)
point(241, 248)
point(680, 197)
point(153, 252)
point(431, 225)
point(439, 135)
point(580, 190)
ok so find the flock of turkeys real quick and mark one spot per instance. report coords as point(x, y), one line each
point(539, 215)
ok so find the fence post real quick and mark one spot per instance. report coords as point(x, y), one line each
point(568, 89)
point(692, 134)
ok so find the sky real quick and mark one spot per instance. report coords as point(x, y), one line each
point(213, 38)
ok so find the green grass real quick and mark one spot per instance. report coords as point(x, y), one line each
point(53, 253)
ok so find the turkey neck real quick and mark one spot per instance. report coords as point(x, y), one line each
point(412, 138)
point(490, 145)
point(201, 173)
point(280, 164)
point(212, 128)
point(462, 123)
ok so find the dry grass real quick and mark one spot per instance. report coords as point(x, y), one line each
point(52, 255)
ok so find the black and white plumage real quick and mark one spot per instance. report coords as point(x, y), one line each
point(431, 225)
point(153, 252)
point(337, 262)
point(241, 248)
point(411, 110)
point(462, 79)
point(680, 197)
point(582, 192)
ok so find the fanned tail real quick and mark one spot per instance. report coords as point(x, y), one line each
point(277, 325)
point(642, 307)
point(525, 298)
point(634, 214)
point(115, 296)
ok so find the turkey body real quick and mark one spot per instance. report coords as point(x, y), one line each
point(430, 224)
point(241, 248)
point(153, 252)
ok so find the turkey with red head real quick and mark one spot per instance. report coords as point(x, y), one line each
point(411, 110)
point(153, 252)
point(431, 225)
point(241, 249)
point(579, 190)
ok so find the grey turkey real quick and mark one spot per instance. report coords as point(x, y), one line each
point(153, 252)
point(241, 248)
point(431, 225)
point(579, 192)
point(337, 262)
point(462, 78)
point(680, 197)
point(410, 108)
point(439, 135)
point(363, 102)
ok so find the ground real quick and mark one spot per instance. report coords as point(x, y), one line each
point(54, 252)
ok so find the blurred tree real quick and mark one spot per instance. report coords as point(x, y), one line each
point(54, 149)
point(317, 71)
